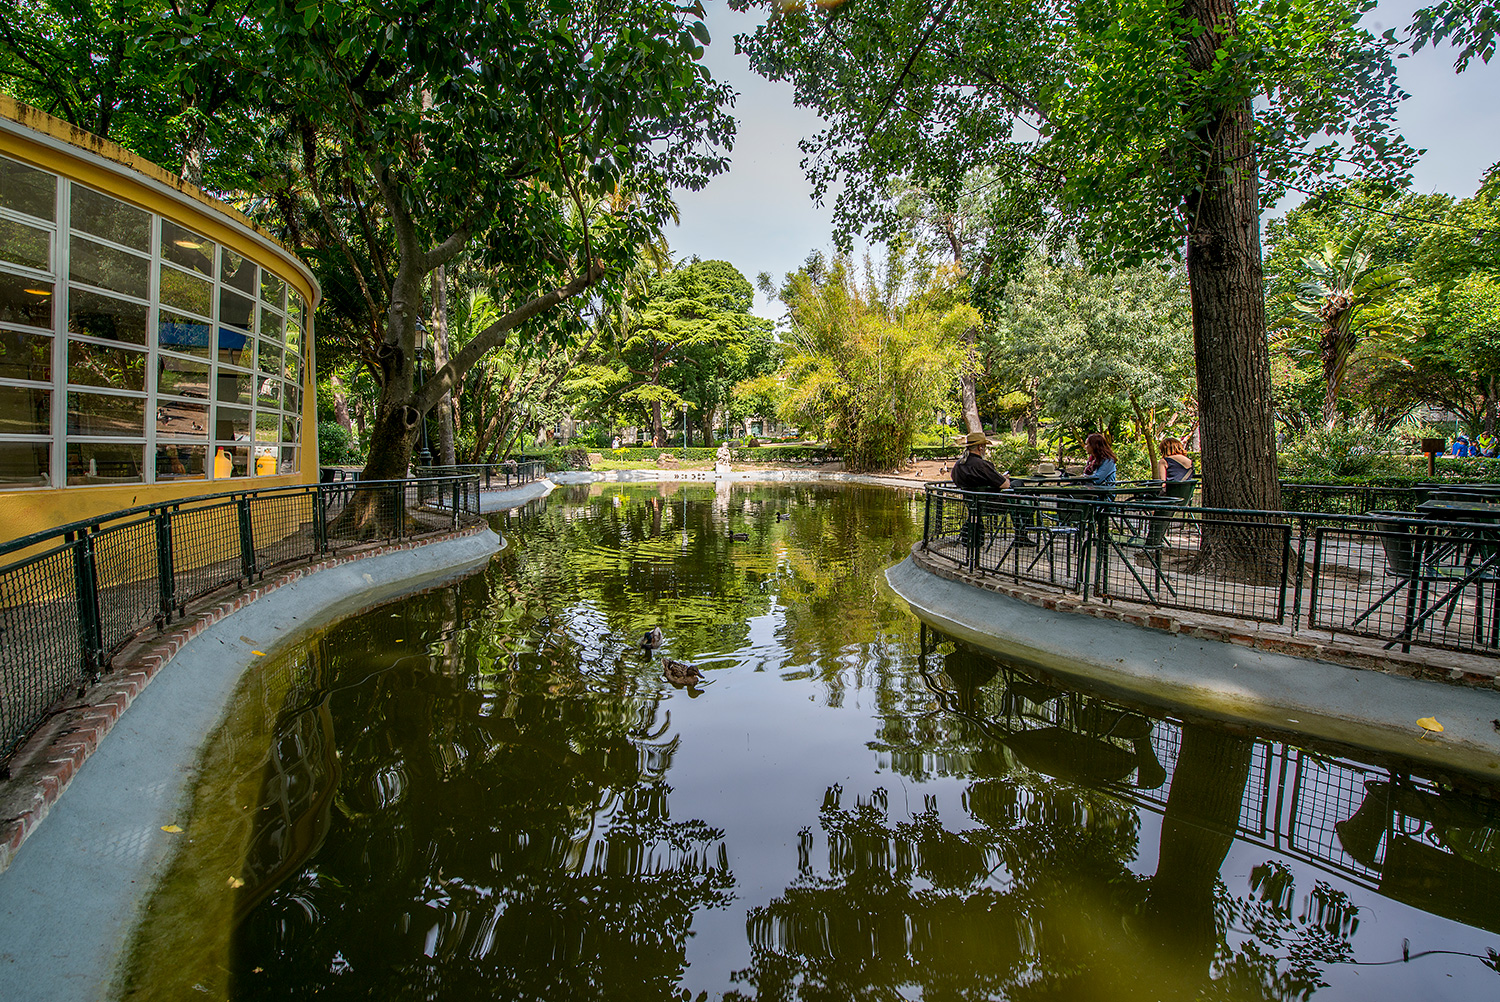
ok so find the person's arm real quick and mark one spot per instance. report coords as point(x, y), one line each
point(1161, 468)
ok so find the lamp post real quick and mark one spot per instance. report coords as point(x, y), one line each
point(426, 451)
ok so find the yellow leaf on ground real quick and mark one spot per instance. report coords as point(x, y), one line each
point(1430, 724)
point(259, 654)
point(171, 829)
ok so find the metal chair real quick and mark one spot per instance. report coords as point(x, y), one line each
point(1421, 560)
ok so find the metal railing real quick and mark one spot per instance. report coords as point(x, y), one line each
point(72, 597)
point(1395, 576)
point(492, 476)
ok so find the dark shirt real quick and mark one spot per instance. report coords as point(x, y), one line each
point(1178, 467)
point(975, 473)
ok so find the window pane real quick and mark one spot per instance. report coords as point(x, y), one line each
point(180, 419)
point(25, 411)
point(237, 271)
point(26, 189)
point(289, 430)
point(292, 398)
point(292, 369)
point(108, 268)
point(109, 218)
point(235, 310)
point(271, 325)
point(288, 460)
point(186, 248)
point(25, 245)
point(269, 392)
point(234, 387)
point(25, 301)
point(100, 365)
point(235, 347)
point(25, 356)
point(106, 317)
point(185, 292)
point(231, 462)
point(272, 290)
point(97, 414)
point(232, 424)
point(181, 378)
point(181, 462)
point(187, 335)
point(104, 463)
point(269, 358)
point(24, 464)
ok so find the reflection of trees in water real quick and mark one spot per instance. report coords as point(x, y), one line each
point(1040, 900)
point(502, 827)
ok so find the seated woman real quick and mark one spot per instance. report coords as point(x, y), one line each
point(1101, 465)
point(1175, 463)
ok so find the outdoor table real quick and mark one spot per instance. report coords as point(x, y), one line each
point(1462, 510)
point(1462, 562)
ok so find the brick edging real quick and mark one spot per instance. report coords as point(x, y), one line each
point(54, 755)
point(1332, 651)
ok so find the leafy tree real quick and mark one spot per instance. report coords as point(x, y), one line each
point(865, 367)
point(1350, 297)
point(1469, 25)
point(1133, 124)
point(685, 344)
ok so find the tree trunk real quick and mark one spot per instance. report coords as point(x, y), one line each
point(966, 383)
point(193, 141)
point(440, 359)
point(340, 404)
point(658, 433)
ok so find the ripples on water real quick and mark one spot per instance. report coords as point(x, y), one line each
point(486, 791)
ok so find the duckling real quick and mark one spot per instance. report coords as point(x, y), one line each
point(740, 536)
point(681, 673)
point(653, 639)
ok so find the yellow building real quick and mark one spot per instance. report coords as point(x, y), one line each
point(154, 343)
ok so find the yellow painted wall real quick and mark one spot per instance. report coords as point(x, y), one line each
point(128, 177)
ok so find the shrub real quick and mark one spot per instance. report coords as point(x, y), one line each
point(1323, 454)
point(336, 446)
point(562, 460)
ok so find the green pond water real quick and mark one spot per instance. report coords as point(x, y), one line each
point(487, 792)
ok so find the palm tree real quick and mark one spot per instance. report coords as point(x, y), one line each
point(1352, 299)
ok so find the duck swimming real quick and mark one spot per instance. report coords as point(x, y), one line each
point(740, 536)
point(653, 639)
point(681, 673)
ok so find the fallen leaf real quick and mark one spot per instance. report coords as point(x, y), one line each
point(171, 829)
point(1429, 726)
point(259, 654)
point(236, 882)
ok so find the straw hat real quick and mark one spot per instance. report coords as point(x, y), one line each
point(976, 438)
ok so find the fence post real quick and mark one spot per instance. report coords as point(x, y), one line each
point(927, 520)
point(320, 518)
point(1100, 519)
point(247, 538)
point(398, 493)
point(165, 571)
point(86, 587)
point(1301, 570)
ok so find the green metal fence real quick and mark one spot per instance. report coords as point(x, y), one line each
point(492, 476)
point(72, 597)
point(1427, 577)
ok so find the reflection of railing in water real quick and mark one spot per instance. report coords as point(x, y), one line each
point(1409, 838)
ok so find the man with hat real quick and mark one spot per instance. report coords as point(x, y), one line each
point(975, 473)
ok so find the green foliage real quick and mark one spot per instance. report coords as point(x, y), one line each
point(336, 446)
point(1325, 454)
point(865, 366)
point(566, 459)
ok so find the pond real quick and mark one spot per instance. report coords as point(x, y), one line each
point(489, 791)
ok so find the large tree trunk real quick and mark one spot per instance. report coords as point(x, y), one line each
point(658, 433)
point(1229, 310)
point(1238, 462)
point(340, 403)
point(966, 383)
point(440, 359)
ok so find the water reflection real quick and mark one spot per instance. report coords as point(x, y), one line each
point(487, 789)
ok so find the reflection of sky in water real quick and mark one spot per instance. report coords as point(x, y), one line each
point(814, 685)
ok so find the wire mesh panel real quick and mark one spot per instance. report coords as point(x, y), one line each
point(206, 552)
point(126, 569)
point(944, 537)
point(283, 527)
point(1029, 538)
point(1196, 559)
point(364, 510)
point(1405, 581)
point(41, 656)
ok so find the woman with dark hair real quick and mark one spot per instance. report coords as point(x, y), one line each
point(1175, 463)
point(1101, 465)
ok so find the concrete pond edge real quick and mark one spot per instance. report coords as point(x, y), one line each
point(1283, 694)
point(69, 901)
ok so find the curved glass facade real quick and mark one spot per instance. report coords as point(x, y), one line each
point(134, 350)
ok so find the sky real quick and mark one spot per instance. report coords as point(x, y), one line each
point(759, 216)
